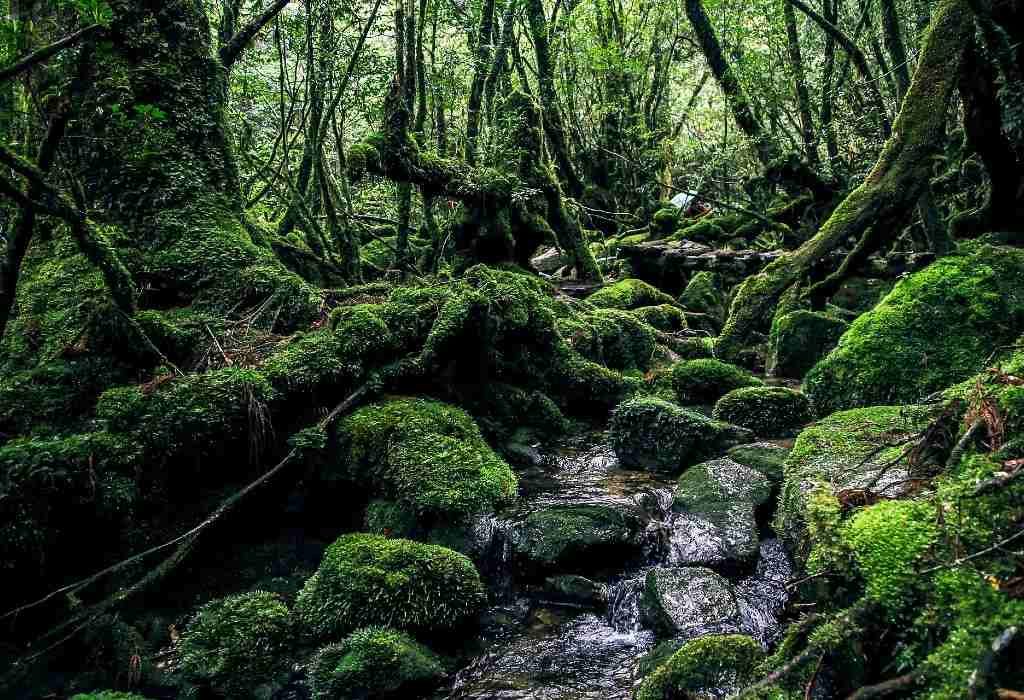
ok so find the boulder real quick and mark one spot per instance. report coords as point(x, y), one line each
point(799, 339)
point(766, 457)
point(661, 437)
point(710, 667)
point(770, 411)
point(706, 380)
point(704, 295)
point(688, 602)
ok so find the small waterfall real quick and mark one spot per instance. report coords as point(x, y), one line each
point(624, 605)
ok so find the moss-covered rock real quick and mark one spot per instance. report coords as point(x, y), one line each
point(706, 231)
point(367, 580)
point(799, 339)
point(840, 453)
point(579, 538)
point(624, 341)
point(428, 456)
point(717, 505)
point(700, 348)
point(688, 602)
point(766, 457)
point(936, 328)
point(707, 380)
point(704, 295)
point(664, 317)
point(653, 434)
point(710, 664)
point(237, 646)
point(374, 662)
point(629, 294)
point(108, 695)
point(766, 410)
point(665, 221)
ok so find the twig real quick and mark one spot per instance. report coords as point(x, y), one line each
point(976, 555)
point(886, 688)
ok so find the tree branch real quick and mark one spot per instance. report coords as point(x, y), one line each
point(231, 51)
point(47, 52)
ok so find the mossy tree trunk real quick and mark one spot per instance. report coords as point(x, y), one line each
point(803, 96)
point(890, 191)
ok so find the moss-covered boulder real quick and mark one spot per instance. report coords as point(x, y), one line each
point(707, 380)
point(716, 525)
point(374, 663)
point(704, 295)
point(770, 411)
point(573, 589)
point(659, 436)
point(766, 457)
point(858, 449)
point(623, 340)
point(688, 602)
point(799, 339)
point(629, 294)
point(665, 221)
point(237, 646)
point(579, 538)
point(715, 666)
point(663, 317)
point(428, 456)
point(699, 348)
point(108, 695)
point(367, 580)
point(936, 328)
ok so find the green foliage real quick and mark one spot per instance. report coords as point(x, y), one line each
point(629, 294)
point(373, 662)
point(704, 664)
point(108, 695)
point(936, 328)
point(707, 380)
point(237, 646)
point(368, 580)
point(426, 455)
point(766, 410)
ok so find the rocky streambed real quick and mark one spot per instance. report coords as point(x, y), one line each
point(598, 570)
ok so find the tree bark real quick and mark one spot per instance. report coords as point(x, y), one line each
point(890, 191)
point(803, 97)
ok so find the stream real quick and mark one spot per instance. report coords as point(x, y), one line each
point(539, 641)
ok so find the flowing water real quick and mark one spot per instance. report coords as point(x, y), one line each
point(535, 648)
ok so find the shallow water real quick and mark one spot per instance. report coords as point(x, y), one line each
point(532, 649)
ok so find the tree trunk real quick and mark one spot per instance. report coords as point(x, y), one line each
point(891, 189)
point(803, 97)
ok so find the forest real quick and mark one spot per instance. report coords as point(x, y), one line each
point(512, 349)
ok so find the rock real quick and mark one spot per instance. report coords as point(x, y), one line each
point(549, 261)
point(629, 294)
point(766, 457)
point(688, 602)
point(936, 328)
point(845, 453)
point(664, 317)
point(574, 590)
point(716, 524)
point(771, 411)
point(669, 265)
point(860, 294)
point(659, 436)
point(579, 538)
point(706, 380)
point(704, 295)
point(710, 667)
point(799, 339)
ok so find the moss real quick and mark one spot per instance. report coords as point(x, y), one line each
point(374, 662)
point(653, 434)
point(705, 664)
point(706, 231)
point(766, 457)
point(625, 341)
point(629, 294)
point(425, 455)
point(844, 451)
point(368, 580)
point(799, 339)
point(766, 410)
point(390, 519)
point(707, 380)
point(237, 646)
point(695, 348)
point(579, 537)
point(887, 540)
point(703, 295)
point(665, 221)
point(664, 317)
point(108, 695)
point(935, 328)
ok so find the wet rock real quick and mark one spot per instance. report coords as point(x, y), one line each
point(716, 524)
point(799, 339)
point(670, 265)
point(688, 602)
point(579, 538)
point(661, 437)
point(574, 590)
point(702, 669)
point(766, 457)
point(549, 261)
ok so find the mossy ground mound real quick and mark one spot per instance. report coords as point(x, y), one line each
point(367, 580)
point(708, 664)
point(936, 328)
